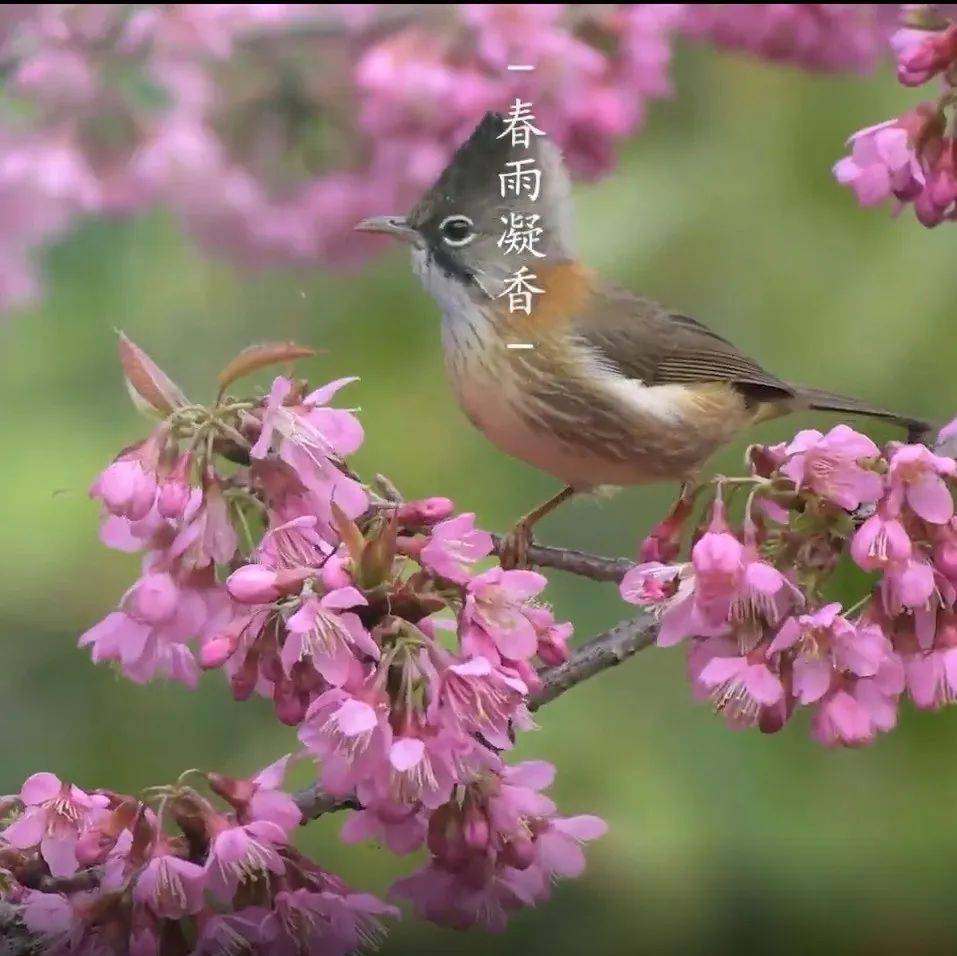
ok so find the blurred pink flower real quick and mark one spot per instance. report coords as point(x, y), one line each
point(818, 36)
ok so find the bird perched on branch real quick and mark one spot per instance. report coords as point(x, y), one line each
point(591, 383)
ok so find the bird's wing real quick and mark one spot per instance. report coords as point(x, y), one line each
point(641, 340)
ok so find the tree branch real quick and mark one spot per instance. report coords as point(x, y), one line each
point(605, 650)
point(585, 565)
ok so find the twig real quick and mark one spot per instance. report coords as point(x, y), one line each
point(597, 654)
point(592, 566)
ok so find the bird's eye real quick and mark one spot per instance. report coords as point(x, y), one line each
point(457, 230)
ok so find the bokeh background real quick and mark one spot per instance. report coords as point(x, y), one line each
point(725, 208)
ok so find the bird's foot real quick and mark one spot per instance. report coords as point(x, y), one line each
point(515, 546)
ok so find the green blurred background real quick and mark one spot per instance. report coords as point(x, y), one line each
point(724, 208)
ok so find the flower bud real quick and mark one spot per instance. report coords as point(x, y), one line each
point(253, 584)
point(445, 838)
point(217, 650)
point(174, 491)
point(427, 511)
point(475, 828)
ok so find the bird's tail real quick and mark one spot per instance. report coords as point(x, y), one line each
point(918, 430)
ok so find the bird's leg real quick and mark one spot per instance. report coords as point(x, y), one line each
point(664, 541)
point(514, 550)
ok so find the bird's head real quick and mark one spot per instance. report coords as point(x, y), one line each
point(456, 230)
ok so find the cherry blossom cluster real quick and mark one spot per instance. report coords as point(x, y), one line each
point(753, 600)
point(271, 129)
point(912, 159)
point(405, 668)
point(105, 873)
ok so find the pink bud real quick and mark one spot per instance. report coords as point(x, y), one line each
point(174, 492)
point(126, 489)
point(289, 707)
point(428, 511)
point(253, 584)
point(243, 682)
point(475, 829)
point(217, 650)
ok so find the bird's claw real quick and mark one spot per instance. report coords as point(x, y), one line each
point(515, 547)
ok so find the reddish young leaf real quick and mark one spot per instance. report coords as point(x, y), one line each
point(255, 357)
point(151, 389)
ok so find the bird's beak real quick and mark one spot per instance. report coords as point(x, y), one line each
point(397, 226)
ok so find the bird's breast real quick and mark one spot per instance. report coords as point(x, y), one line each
point(542, 395)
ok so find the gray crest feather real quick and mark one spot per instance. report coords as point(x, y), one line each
point(470, 185)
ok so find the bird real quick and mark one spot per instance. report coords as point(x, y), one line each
point(585, 380)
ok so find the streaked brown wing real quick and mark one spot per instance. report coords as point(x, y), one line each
point(642, 340)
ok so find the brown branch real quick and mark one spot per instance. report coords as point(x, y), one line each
point(595, 567)
point(605, 650)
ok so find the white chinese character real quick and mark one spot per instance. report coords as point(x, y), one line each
point(520, 123)
point(522, 177)
point(519, 289)
point(523, 233)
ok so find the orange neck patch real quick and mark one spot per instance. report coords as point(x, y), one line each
point(567, 288)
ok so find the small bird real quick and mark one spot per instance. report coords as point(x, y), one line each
point(594, 385)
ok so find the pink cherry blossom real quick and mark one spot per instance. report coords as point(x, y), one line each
point(650, 583)
point(931, 672)
point(552, 636)
point(741, 686)
point(328, 635)
point(819, 36)
point(499, 849)
point(882, 164)
point(454, 545)
point(349, 735)
point(476, 696)
point(917, 477)
point(492, 620)
point(398, 826)
point(830, 466)
point(827, 645)
point(221, 932)
point(171, 887)
point(241, 853)
point(150, 632)
point(881, 542)
point(922, 54)
point(303, 921)
point(54, 814)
